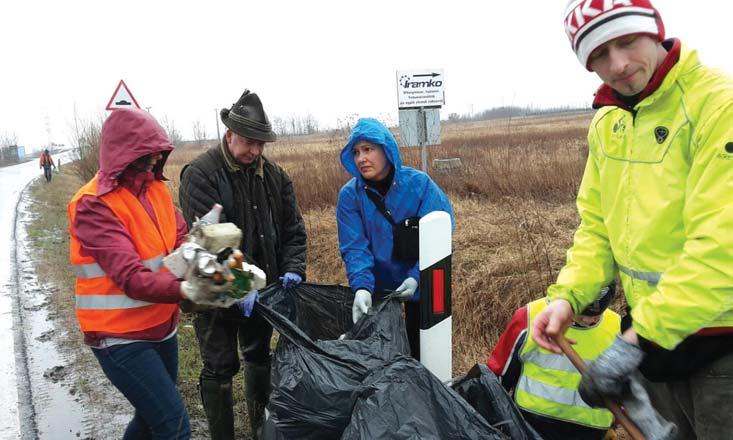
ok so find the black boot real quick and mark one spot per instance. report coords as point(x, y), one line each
point(257, 394)
point(216, 396)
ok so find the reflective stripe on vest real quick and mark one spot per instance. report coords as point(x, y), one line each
point(93, 270)
point(108, 302)
point(548, 383)
point(650, 277)
point(551, 393)
point(552, 361)
point(101, 305)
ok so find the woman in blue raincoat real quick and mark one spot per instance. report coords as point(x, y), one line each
point(365, 234)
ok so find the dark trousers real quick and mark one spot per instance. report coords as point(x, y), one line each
point(552, 429)
point(412, 325)
point(146, 373)
point(219, 332)
point(700, 406)
point(47, 173)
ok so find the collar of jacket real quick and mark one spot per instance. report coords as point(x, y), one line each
point(678, 59)
point(234, 166)
point(136, 182)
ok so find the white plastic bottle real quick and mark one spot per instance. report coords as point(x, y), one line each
point(211, 217)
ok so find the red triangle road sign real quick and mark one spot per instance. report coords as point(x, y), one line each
point(122, 98)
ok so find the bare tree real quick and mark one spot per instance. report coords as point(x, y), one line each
point(280, 125)
point(87, 135)
point(310, 124)
point(6, 141)
point(199, 133)
point(173, 134)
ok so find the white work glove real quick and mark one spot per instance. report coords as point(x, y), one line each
point(362, 304)
point(204, 291)
point(407, 289)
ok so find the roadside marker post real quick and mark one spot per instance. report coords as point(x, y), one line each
point(436, 324)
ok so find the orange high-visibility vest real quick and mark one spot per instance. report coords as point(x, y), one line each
point(101, 306)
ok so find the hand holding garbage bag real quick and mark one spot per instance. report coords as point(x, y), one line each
point(290, 280)
point(362, 304)
point(407, 289)
point(247, 303)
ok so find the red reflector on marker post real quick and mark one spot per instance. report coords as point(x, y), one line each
point(438, 291)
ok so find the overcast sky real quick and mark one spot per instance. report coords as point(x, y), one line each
point(331, 59)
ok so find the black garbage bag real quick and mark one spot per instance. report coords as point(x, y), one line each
point(325, 388)
point(482, 390)
point(404, 401)
point(314, 375)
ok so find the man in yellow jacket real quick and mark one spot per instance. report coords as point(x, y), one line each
point(656, 208)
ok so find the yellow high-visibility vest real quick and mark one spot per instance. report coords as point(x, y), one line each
point(548, 384)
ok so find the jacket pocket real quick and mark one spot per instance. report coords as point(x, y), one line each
point(646, 138)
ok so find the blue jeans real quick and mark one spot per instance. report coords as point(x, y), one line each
point(146, 372)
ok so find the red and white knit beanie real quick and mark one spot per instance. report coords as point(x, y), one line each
point(591, 23)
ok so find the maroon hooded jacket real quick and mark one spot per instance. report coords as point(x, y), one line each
point(127, 135)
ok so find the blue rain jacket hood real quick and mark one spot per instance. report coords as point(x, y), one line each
point(370, 130)
point(365, 236)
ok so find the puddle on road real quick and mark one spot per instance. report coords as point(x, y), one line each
point(58, 414)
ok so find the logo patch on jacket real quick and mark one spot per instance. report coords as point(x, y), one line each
point(728, 155)
point(619, 127)
point(661, 134)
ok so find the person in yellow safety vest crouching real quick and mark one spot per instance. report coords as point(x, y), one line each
point(544, 383)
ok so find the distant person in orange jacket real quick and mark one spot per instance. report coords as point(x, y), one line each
point(46, 164)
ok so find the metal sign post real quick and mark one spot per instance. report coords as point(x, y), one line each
point(420, 95)
point(419, 98)
point(423, 139)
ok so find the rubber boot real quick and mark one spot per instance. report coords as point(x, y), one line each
point(256, 394)
point(216, 396)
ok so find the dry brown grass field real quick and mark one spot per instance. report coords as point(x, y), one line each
point(513, 202)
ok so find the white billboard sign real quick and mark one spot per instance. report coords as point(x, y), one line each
point(420, 88)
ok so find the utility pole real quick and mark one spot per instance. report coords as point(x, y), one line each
point(47, 122)
point(216, 113)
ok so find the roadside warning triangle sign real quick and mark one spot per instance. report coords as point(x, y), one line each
point(122, 98)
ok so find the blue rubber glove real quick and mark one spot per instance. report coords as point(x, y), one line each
point(291, 279)
point(247, 303)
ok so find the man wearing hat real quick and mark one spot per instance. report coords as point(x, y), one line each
point(257, 195)
point(544, 384)
point(656, 209)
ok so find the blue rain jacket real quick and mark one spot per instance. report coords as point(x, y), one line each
point(365, 236)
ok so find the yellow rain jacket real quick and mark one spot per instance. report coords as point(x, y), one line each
point(656, 207)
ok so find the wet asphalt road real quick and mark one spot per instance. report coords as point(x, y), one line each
point(37, 394)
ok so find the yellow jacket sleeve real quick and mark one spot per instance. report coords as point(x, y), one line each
point(590, 264)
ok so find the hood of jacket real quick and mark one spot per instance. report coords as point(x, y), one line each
point(127, 135)
point(370, 130)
